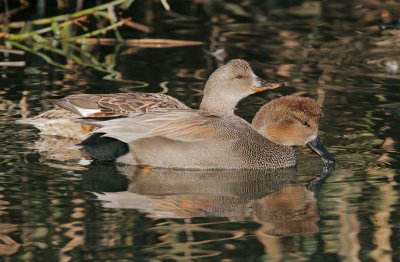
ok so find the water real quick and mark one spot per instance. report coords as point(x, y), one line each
point(57, 206)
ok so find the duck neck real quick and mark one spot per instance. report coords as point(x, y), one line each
point(217, 102)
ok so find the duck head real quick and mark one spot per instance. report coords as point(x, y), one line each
point(229, 84)
point(292, 121)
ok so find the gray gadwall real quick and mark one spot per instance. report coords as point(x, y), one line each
point(174, 138)
point(225, 87)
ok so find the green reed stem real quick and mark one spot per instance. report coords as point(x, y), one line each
point(49, 20)
point(41, 55)
point(98, 31)
point(18, 37)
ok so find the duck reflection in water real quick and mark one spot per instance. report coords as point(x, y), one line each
point(273, 198)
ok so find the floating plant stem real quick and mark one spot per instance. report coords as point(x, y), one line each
point(11, 51)
point(13, 63)
point(144, 42)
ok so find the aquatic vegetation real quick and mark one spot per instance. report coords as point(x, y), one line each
point(66, 40)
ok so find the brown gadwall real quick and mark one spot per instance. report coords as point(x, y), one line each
point(224, 89)
point(203, 140)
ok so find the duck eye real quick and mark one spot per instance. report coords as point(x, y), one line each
point(306, 123)
point(238, 77)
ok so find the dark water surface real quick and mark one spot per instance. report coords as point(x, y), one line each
point(55, 205)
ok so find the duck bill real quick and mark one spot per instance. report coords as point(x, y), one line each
point(317, 146)
point(263, 85)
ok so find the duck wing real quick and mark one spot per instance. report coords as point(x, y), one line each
point(175, 124)
point(116, 104)
point(138, 103)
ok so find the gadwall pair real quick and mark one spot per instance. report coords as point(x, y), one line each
point(186, 138)
point(159, 130)
point(225, 87)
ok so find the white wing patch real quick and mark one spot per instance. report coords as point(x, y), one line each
point(86, 112)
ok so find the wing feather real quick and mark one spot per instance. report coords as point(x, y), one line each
point(117, 104)
point(138, 102)
point(175, 124)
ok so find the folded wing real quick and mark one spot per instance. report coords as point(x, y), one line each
point(116, 104)
point(180, 125)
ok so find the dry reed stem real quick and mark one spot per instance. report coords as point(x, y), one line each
point(145, 42)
